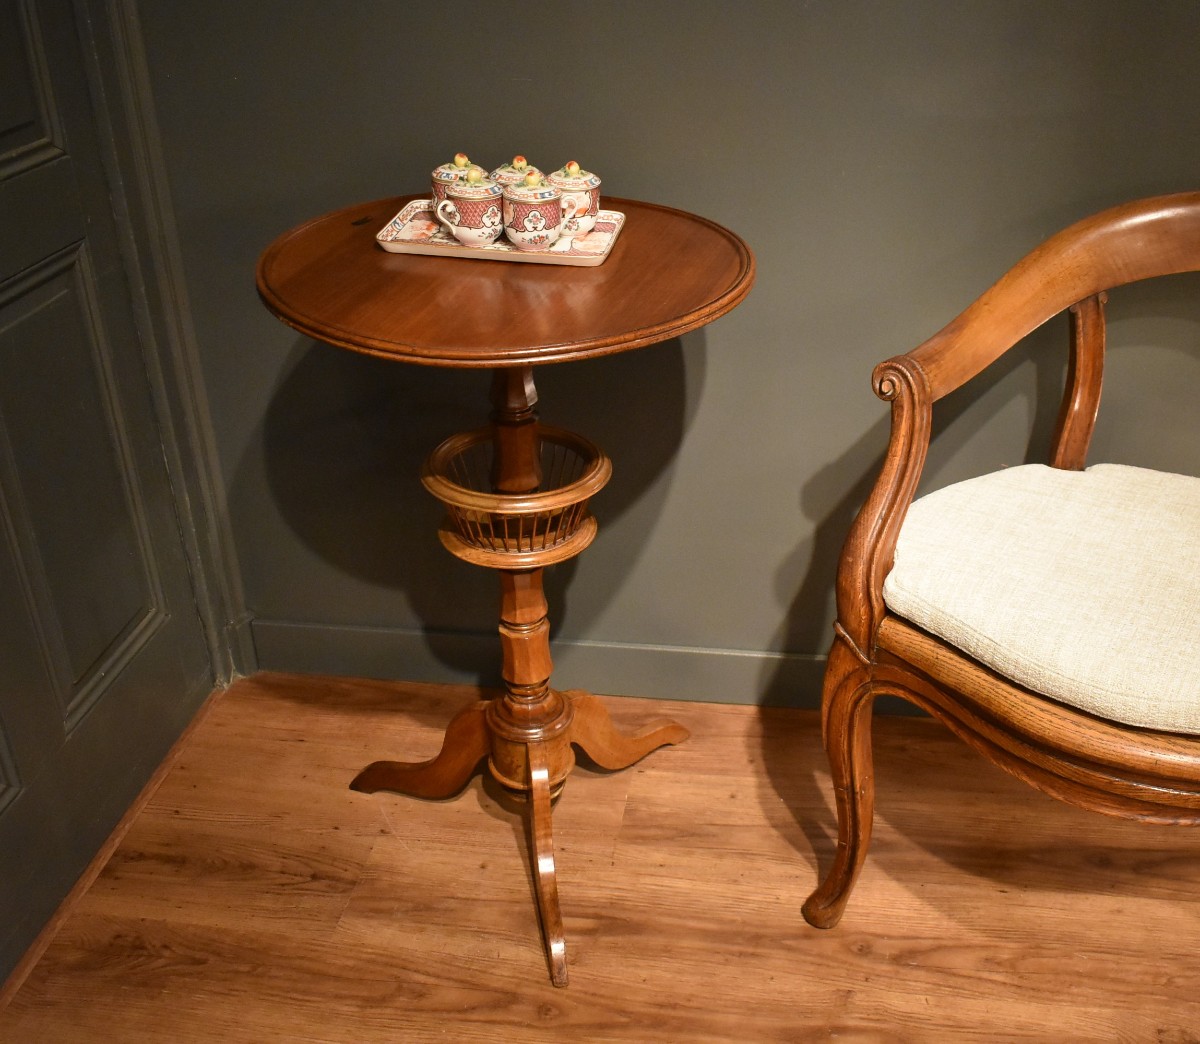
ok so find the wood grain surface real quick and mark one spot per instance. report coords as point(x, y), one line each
point(669, 272)
point(255, 897)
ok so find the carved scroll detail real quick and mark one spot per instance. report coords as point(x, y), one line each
point(871, 543)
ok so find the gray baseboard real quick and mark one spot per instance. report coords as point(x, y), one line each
point(660, 672)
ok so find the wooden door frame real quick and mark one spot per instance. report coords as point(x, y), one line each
point(132, 154)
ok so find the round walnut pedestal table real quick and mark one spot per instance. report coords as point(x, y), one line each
point(516, 491)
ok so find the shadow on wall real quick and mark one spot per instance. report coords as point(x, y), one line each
point(343, 441)
point(833, 496)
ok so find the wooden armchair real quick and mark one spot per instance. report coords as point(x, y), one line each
point(1048, 615)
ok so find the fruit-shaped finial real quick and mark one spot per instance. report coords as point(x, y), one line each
point(474, 176)
point(519, 163)
point(461, 160)
point(572, 168)
point(533, 179)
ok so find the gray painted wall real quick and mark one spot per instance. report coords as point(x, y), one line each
point(885, 160)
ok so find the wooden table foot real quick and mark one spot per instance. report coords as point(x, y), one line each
point(536, 766)
point(593, 731)
point(541, 846)
point(465, 744)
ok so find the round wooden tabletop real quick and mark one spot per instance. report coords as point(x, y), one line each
point(669, 272)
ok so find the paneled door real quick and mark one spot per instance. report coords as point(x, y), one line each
point(103, 656)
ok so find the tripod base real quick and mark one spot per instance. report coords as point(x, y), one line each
point(546, 758)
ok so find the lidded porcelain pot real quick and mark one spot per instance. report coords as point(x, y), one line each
point(450, 173)
point(532, 212)
point(513, 172)
point(471, 211)
point(580, 197)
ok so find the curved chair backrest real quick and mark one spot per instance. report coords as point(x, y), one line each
point(1138, 240)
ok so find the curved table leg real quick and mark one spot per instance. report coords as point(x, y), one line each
point(541, 841)
point(465, 744)
point(593, 730)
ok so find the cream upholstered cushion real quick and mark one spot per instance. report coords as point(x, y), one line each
point(1082, 586)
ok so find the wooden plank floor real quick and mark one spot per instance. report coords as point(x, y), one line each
point(255, 898)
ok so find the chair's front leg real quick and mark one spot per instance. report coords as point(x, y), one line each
point(846, 718)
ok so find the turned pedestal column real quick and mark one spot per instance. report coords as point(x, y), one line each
point(517, 494)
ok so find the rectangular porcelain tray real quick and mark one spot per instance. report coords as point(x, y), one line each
point(416, 231)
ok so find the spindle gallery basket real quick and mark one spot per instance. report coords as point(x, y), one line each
point(516, 530)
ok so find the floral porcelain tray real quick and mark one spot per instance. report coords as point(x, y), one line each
point(416, 231)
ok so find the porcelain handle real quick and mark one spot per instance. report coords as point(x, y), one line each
point(437, 212)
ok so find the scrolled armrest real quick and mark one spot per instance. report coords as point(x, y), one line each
point(871, 543)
